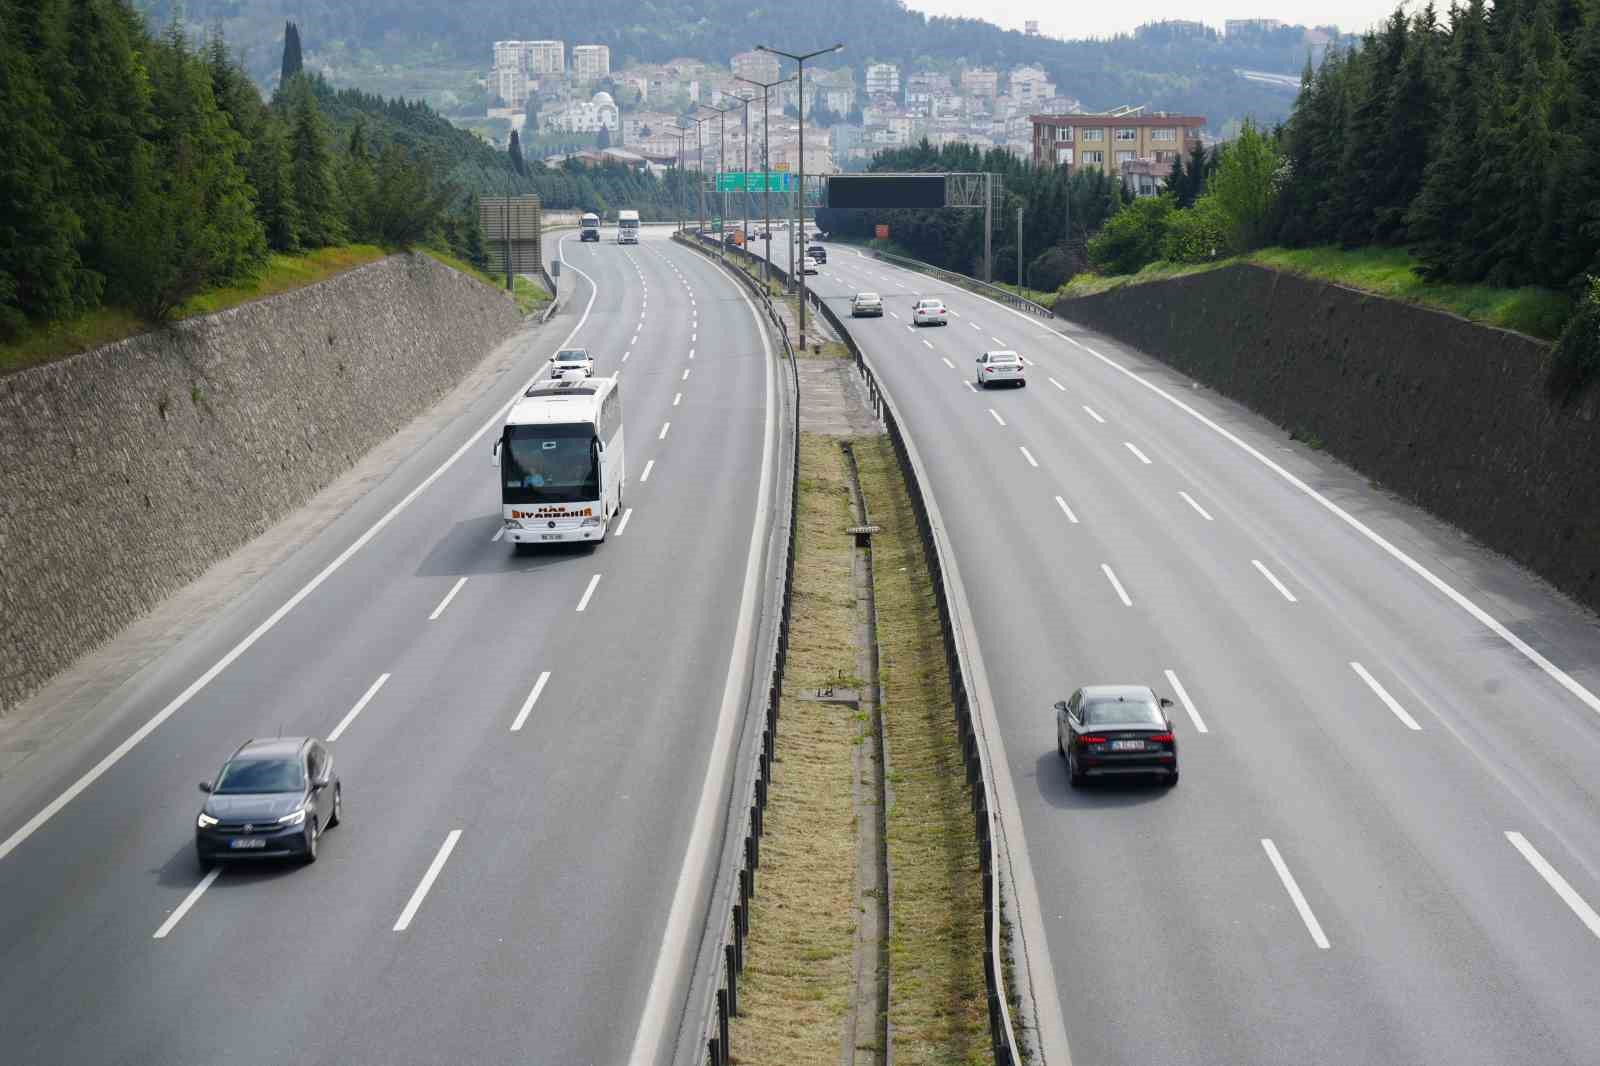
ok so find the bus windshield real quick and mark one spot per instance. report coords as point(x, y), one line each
point(550, 464)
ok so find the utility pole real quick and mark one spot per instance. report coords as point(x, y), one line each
point(800, 194)
point(1019, 251)
point(509, 286)
point(683, 190)
point(988, 227)
point(722, 162)
point(766, 167)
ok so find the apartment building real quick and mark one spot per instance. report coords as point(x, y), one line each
point(1030, 86)
point(1107, 142)
point(546, 57)
point(883, 79)
point(757, 66)
point(980, 81)
point(591, 61)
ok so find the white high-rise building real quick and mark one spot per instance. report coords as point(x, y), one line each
point(883, 79)
point(516, 61)
point(546, 57)
point(757, 66)
point(591, 61)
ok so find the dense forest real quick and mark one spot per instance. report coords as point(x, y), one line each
point(1157, 66)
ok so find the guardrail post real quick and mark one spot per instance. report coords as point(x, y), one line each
point(723, 1008)
point(731, 956)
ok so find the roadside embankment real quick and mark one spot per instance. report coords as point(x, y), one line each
point(127, 470)
point(1450, 414)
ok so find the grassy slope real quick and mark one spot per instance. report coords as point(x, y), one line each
point(1386, 272)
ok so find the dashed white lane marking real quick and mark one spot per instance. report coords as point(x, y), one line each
point(527, 704)
point(626, 354)
point(996, 415)
point(953, 311)
point(1026, 454)
point(1122, 593)
point(975, 326)
point(1388, 700)
point(1200, 510)
point(894, 316)
point(584, 602)
point(928, 344)
point(1143, 458)
point(911, 326)
point(1569, 895)
point(651, 465)
point(350, 716)
point(1188, 704)
point(1002, 344)
point(948, 363)
point(188, 901)
point(437, 611)
point(498, 534)
point(622, 525)
point(1279, 585)
point(1295, 894)
point(686, 373)
point(694, 336)
point(1057, 384)
point(691, 353)
point(449, 845)
point(663, 434)
point(1066, 510)
point(677, 398)
point(1094, 414)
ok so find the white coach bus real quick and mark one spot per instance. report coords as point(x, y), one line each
point(560, 461)
point(627, 227)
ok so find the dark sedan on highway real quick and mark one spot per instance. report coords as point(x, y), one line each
point(1116, 730)
point(272, 799)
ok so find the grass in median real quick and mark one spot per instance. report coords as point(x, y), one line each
point(938, 1000)
point(799, 957)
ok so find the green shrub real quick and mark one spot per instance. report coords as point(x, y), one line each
point(1575, 360)
point(1133, 237)
point(1197, 235)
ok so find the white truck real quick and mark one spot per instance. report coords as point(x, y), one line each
point(627, 227)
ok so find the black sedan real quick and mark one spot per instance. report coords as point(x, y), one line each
point(1114, 730)
point(271, 800)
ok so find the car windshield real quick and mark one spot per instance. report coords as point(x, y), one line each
point(867, 297)
point(572, 355)
point(260, 775)
point(930, 305)
point(1003, 359)
point(1122, 712)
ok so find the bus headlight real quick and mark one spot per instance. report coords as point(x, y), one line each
point(512, 523)
point(589, 522)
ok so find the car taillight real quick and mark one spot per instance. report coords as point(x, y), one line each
point(988, 370)
point(1164, 738)
point(1090, 738)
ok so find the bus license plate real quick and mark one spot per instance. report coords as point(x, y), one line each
point(255, 842)
point(1127, 745)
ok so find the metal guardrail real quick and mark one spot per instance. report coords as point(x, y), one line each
point(983, 288)
point(719, 1008)
point(1002, 1030)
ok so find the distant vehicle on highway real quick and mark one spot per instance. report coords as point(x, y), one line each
point(1116, 730)
point(589, 227)
point(272, 799)
point(627, 227)
point(561, 463)
point(808, 265)
point(817, 252)
point(568, 359)
point(1000, 368)
point(863, 304)
point(929, 311)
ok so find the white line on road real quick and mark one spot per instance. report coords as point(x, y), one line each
point(970, 385)
point(1383, 694)
point(635, 339)
point(647, 468)
point(1275, 582)
point(350, 716)
point(1057, 384)
point(686, 373)
point(691, 353)
point(1295, 894)
point(1026, 454)
point(948, 363)
point(953, 311)
point(624, 523)
point(1143, 458)
point(1188, 704)
point(1569, 895)
point(1094, 414)
point(694, 336)
point(1122, 593)
point(1190, 501)
point(448, 596)
point(1002, 344)
point(927, 344)
point(975, 326)
point(527, 704)
point(894, 316)
point(498, 534)
point(593, 581)
point(626, 354)
point(911, 326)
point(1066, 510)
point(677, 398)
point(663, 434)
point(428, 878)
point(188, 901)
point(996, 415)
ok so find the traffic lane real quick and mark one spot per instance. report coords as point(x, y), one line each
point(908, 364)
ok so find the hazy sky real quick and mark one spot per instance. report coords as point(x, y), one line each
point(1058, 19)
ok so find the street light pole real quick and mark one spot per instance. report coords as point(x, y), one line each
point(800, 59)
point(766, 167)
point(722, 158)
point(683, 190)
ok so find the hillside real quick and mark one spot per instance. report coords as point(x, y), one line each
point(419, 47)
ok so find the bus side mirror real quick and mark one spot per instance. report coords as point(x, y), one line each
point(494, 456)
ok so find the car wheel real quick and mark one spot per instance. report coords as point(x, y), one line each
point(312, 834)
point(204, 861)
point(1074, 775)
point(1022, 384)
point(1172, 779)
point(338, 807)
point(1061, 749)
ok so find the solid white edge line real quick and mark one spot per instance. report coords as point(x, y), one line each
point(1057, 384)
point(350, 716)
point(1279, 585)
point(1201, 510)
point(647, 468)
point(623, 525)
point(671, 961)
point(1552, 877)
point(1066, 510)
point(448, 596)
point(527, 704)
point(1188, 704)
point(1026, 454)
point(593, 581)
point(1122, 593)
point(94, 773)
point(996, 415)
point(188, 901)
point(1295, 894)
point(663, 434)
point(1143, 458)
point(1094, 414)
point(1383, 694)
point(426, 883)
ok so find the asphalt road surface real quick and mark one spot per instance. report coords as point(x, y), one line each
point(523, 744)
point(1386, 844)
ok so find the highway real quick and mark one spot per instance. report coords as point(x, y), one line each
point(1386, 844)
point(526, 745)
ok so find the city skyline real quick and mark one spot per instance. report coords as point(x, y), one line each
point(1080, 21)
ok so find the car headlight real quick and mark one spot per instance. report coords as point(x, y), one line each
point(205, 821)
point(293, 818)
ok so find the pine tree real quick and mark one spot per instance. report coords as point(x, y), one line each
point(292, 62)
point(1511, 185)
point(515, 151)
point(1577, 212)
point(358, 183)
point(315, 193)
point(272, 174)
point(1365, 161)
point(1177, 182)
point(1416, 109)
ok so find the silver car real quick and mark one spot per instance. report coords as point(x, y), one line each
point(863, 304)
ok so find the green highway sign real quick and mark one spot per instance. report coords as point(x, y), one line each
point(753, 181)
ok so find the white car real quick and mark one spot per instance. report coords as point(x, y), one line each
point(808, 265)
point(568, 360)
point(931, 312)
point(866, 303)
point(1003, 367)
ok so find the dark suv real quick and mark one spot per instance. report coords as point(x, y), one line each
point(271, 800)
point(817, 252)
